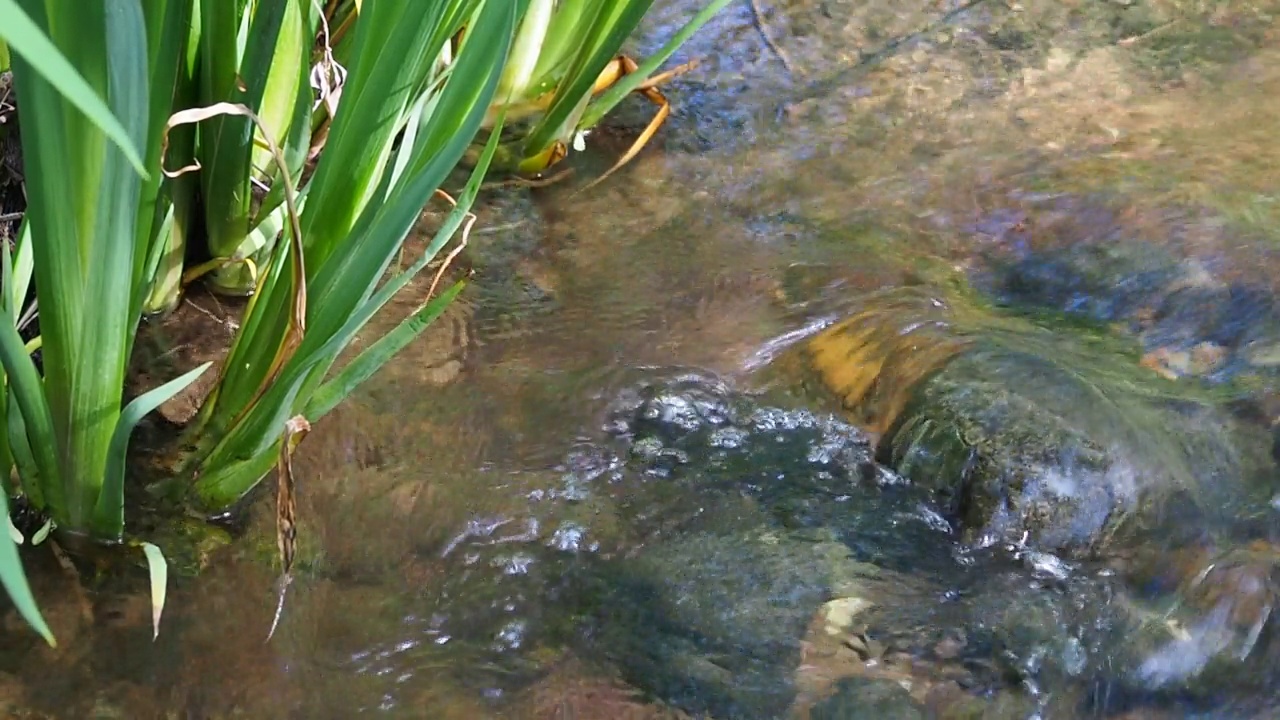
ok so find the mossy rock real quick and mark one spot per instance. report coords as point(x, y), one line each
point(1055, 437)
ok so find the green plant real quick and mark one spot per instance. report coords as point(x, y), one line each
point(566, 74)
point(98, 234)
point(91, 215)
point(258, 55)
point(382, 160)
point(404, 122)
point(137, 111)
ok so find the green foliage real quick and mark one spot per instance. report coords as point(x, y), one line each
point(15, 582)
point(140, 117)
point(257, 55)
point(365, 196)
point(560, 53)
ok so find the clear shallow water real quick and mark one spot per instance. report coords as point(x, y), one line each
point(475, 543)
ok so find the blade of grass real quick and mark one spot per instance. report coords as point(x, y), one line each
point(396, 41)
point(15, 583)
point(23, 459)
point(25, 387)
point(109, 513)
point(19, 281)
point(371, 359)
point(168, 32)
point(158, 570)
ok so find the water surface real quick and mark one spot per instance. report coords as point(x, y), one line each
point(480, 529)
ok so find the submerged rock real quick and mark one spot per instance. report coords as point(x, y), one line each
point(712, 622)
point(862, 699)
point(1052, 439)
point(1057, 447)
point(733, 545)
point(750, 519)
point(1194, 313)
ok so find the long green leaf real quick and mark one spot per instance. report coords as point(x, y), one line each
point(231, 479)
point(83, 204)
point(15, 583)
point(25, 386)
point(20, 447)
point(11, 574)
point(6, 314)
point(395, 45)
point(106, 332)
point(159, 288)
point(19, 282)
point(109, 514)
point(168, 31)
point(226, 146)
point(616, 21)
point(372, 358)
point(27, 40)
point(572, 18)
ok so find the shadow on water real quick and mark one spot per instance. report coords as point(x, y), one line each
point(930, 374)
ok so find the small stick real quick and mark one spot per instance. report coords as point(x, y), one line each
point(758, 15)
point(1134, 39)
point(529, 183)
point(660, 78)
point(448, 260)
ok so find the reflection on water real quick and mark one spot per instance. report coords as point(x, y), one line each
point(612, 485)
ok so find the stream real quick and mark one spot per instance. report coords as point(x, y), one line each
point(925, 365)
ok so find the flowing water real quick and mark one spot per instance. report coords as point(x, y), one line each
point(924, 366)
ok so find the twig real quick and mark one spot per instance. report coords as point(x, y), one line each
point(448, 260)
point(462, 244)
point(491, 229)
point(1133, 39)
point(220, 320)
point(6, 217)
point(758, 15)
point(527, 183)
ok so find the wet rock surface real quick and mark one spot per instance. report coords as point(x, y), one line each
point(1194, 313)
point(735, 523)
point(1058, 450)
point(760, 555)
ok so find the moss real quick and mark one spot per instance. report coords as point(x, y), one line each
point(1193, 46)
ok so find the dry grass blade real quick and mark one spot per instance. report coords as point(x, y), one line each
point(541, 182)
point(462, 244)
point(298, 315)
point(295, 430)
point(662, 77)
point(621, 67)
point(327, 77)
